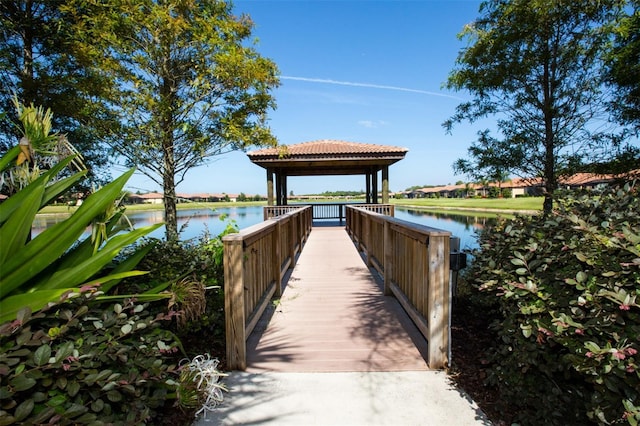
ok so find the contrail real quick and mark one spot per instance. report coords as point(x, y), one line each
point(371, 86)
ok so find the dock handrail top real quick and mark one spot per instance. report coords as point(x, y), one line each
point(261, 227)
point(427, 230)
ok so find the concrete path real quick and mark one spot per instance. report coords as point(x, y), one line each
point(344, 399)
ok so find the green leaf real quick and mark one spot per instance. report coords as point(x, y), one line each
point(128, 264)
point(9, 157)
point(75, 410)
point(517, 262)
point(65, 350)
point(10, 306)
point(23, 410)
point(97, 405)
point(57, 400)
point(22, 383)
point(54, 241)
point(17, 200)
point(17, 228)
point(114, 396)
point(73, 388)
point(43, 416)
point(42, 355)
point(83, 271)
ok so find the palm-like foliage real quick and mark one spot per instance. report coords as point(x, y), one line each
point(39, 271)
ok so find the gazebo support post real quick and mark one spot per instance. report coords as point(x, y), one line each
point(284, 189)
point(374, 175)
point(385, 185)
point(278, 188)
point(368, 185)
point(269, 187)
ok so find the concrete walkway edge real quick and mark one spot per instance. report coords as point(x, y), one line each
point(346, 399)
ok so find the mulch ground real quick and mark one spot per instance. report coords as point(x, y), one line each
point(470, 335)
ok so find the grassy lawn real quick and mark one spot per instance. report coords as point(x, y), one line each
point(523, 203)
point(149, 207)
point(513, 204)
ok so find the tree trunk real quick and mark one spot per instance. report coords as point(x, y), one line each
point(170, 211)
point(27, 77)
point(549, 140)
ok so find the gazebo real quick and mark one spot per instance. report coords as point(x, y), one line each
point(327, 157)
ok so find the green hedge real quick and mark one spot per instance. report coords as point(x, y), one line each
point(567, 290)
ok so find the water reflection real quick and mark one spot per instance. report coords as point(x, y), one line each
point(463, 226)
point(192, 223)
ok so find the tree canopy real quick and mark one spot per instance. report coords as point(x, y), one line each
point(191, 85)
point(40, 65)
point(624, 67)
point(537, 66)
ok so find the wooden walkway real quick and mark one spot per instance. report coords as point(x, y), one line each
point(333, 317)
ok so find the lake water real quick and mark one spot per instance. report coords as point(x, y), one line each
point(194, 222)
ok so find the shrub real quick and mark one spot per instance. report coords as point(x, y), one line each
point(567, 289)
point(194, 266)
point(86, 363)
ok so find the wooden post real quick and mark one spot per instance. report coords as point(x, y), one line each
point(374, 188)
point(284, 189)
point(438, 302)
point(269, 187)
point(234, 302)
point(275, 258)
point(368, 187)
point(292, 242)
point(388, 258)
point(385, 185)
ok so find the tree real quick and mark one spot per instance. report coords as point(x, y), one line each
point(490, 159)
point(191, 88)
point(624, 68)
point(41, 65)
point(537, 65)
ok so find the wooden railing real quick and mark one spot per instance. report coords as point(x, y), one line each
point(414, 261)
point(327, 210)
point(271, 212)
point(255, 261)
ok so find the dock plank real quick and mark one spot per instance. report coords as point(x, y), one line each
point(333, 317)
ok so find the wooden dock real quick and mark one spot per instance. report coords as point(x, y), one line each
point(332, 316)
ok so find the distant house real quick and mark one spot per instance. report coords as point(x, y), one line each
point(150, 198)
point(158, 198)
point(522, 187)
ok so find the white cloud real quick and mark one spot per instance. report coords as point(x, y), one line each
point(372, 124)
point(367, 85)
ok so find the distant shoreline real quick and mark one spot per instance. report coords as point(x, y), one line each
point(502, 206)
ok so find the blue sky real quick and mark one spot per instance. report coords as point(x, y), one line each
point(359, 71)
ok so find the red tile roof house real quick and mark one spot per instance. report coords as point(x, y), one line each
point(530, 186)
point(150, 198)
point(157, 198)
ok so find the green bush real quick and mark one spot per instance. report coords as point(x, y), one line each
point(195, 266)
point(86, 363)
point(566, 288)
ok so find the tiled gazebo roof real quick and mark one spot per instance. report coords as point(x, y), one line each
point(327, 147)
point(330, 157)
